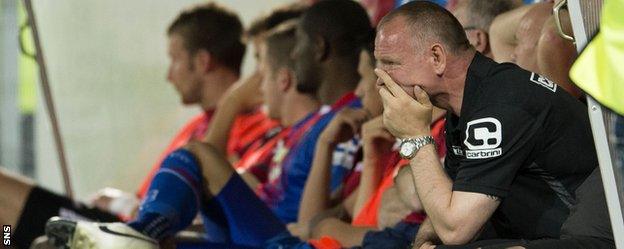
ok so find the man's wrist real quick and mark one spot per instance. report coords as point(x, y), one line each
point(411, 146)
point(416, 134)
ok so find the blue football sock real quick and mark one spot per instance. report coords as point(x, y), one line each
point(173, 197)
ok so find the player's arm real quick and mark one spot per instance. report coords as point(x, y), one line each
point(242, 96)
point(316, 194)
point(376, 141)
point(456, 217)
point(349, 203)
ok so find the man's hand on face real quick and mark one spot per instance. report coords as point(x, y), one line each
point(344, 126)
point(246, 93)
point(404, 116)
point(376, 138)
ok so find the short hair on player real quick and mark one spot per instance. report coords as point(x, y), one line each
point(279, 43)
point(430, 22)
point(344, 24)
point(213, 28)
point(274, 18)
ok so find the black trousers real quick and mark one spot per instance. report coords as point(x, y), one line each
point(42, 205)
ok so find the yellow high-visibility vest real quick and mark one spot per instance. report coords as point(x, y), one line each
point(599, 70)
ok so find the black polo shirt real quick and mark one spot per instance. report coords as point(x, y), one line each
point(523, 139)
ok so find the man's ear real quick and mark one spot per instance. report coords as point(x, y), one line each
point(284, 79)
point(203, 60)
point(322, 48)
point(438, 58)
point(482, 45)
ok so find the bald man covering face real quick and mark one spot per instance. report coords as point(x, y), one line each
point(518, 145)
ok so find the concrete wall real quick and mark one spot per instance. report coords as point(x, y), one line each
point(9, 112)
point(107, 65)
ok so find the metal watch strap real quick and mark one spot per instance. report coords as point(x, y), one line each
point(419, 142)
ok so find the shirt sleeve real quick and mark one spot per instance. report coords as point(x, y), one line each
point(498, 140)
point(343, 162)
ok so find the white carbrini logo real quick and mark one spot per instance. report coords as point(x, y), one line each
point(483, 138)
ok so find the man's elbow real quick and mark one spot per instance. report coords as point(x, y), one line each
point(457, 236)
point(457, 231)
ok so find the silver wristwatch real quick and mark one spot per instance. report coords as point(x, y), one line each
point(409, 146)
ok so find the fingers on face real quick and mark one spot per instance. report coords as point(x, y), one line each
point(421, 96)
point(386, 97)
point(381, 78)
point(391, 93)
point(390, 84)
point(391, 89)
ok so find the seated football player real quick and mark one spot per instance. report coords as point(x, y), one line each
point(197, 82)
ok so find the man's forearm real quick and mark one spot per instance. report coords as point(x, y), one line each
point(456, 216)
point(315, 197)
point(349, 203)
point(219, 131)
point(433, 186)
point(369, 181)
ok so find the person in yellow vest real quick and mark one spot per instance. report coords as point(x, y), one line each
point(597, 72)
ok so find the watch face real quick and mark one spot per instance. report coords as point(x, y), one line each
point(407, 149)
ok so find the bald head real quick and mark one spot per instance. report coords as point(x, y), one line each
point(479, 14)
point(527, 35)
point(430, 23)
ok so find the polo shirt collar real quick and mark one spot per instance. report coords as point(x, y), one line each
point(478, 70)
